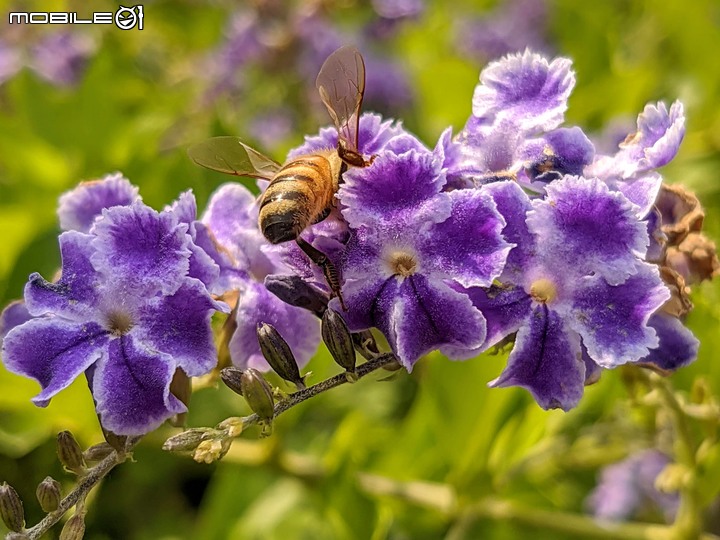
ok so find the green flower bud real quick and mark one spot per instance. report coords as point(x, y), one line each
point(70, 453)
point(278, 354)
point(98, 452)
point(187, 441)
point(48, 494)
point(339, 342)
point(74, 528)
point(11, 508)
point(258, 394)
point(231, 377)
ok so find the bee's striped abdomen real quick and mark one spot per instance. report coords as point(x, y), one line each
point(295, 197)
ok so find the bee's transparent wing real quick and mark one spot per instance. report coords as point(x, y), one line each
point(230, 155)
point(341, 83)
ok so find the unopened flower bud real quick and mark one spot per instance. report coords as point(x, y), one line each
point(295, 291)
point(231, 377)
point(211, 450)
point(278, 354)
point(187, 441)
point(98, 452)
point(339, 342)
point(233, 426)
point(74, 528)
point(11, 508)
point(70, 453)
point(48, 494)
point(258, 394)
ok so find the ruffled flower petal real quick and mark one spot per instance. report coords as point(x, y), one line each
point(678, 346)
point(527, 89)
point(613, 320)
point(14, 314)
point(392, 190)
point(585, 227)
point(79, 207)
point(53, 351)
point(641, 191)
point(131, 387)
point(505, 310)
point(467, 247)
point(75, 295)
point(179, 325)
point(142, 251)
point(547, 361)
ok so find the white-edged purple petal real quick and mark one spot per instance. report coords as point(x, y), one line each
point(202, 266)
point(299, 327)
point(505, 310)
point(75, 295)
point(513, 204)
point(393, 189)
point(14, 314)
point(678, 346)
point(140, 250)
point(184, 207)
point(417, 315)
point(232, 217)
point(374, 134)
point(53, 351)
point(584, 226)
point(467, 247)
point(641, 191)
point(613, 320)
point(179, 325)
point(131, 387)
point(79, 207)
point(547, 361)
point(525, 88)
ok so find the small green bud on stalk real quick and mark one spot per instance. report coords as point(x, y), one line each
point(98, 452)
point(231, 377)
point(258, 394)
point(11, 508)
point(74, 528)
point(278, 354)
point(339, 342)
point(48, 494)
point(187, 441)
point(70, 453)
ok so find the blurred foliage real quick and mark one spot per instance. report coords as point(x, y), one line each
point(137, 107)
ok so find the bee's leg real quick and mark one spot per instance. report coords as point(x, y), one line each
point(328, 268)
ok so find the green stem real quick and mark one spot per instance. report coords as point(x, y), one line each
point(688, 523)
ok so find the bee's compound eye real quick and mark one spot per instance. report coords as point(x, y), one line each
point(279, 228)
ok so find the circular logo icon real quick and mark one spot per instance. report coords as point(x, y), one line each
point(126, 18)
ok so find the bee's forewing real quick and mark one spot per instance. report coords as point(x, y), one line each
point(230, 155)
point(341, 84)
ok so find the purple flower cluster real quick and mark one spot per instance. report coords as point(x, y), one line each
point(271, 38)
point(513, 231)
point(628, 487)
point(59, 58)
point(130, 309)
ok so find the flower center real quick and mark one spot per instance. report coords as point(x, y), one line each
point(543, 291)
point(402, 264)
point(119, 322)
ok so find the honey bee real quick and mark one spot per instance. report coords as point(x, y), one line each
point(302, 191)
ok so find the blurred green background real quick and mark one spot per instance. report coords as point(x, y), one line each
point(143, 96)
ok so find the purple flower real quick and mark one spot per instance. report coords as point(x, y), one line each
point(514, 132)
point(247, 259)
point(627, 487)
point(61, 58)
point(10, 61)
point(125, 313)
point(79, 207)
point(575, 288)
point(272, 127)
point(387, 87)
point(513, 26)
point(412, 253)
